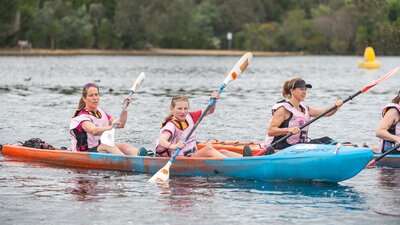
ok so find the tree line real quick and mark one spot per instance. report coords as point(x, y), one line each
point(313, 26)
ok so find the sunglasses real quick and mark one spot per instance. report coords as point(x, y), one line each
point(90, 85)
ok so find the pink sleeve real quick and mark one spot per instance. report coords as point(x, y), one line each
point(196, 115)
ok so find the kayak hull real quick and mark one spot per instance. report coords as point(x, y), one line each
point(388, 161)
point(299, 163)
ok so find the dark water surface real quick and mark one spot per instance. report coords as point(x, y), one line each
point(39, 94)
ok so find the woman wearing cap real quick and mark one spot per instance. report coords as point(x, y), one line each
point(90, 121)
point(389, 127)
point(290, 114)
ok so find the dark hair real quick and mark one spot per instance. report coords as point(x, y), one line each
point(176, 98)
point(397, 98)
point(81, 104)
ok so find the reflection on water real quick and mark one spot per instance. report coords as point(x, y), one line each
point(39, 94)
point(389, 193)
point(85, 189)
point(389, 178)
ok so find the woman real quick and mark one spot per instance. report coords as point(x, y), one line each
point(90, 121)
point(177, 126)
point(290, 114)
point(389, 127)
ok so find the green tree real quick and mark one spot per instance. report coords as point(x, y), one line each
point(77, 30)
point(46, 27)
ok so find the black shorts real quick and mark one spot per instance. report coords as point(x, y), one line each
point(388, 145)
point(94, 149)
point(324, 140)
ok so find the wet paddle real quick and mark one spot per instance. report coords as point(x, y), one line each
point(372, 162)
point(163, 174)
point(271, 150)
point(108, 137)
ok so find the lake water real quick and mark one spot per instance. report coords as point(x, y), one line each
point(39, 94)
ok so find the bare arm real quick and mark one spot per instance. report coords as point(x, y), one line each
point(90, 128)
point(280, 115)
point(391, 117)
point(212, 108)
point(314, 112)
point(163, 142)
point(122, 120)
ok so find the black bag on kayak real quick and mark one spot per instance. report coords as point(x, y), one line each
point(37, 143)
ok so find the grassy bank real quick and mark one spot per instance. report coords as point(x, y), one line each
point(155, 51)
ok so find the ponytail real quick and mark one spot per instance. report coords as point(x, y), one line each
point(166, 119)
point(288, 86)
point(396, 99)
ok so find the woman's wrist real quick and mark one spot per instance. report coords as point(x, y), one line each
point(285, 130)
point(169, 146)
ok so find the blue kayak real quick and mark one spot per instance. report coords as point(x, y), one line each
point(303, 162)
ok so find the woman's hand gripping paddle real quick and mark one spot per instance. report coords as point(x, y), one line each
point(372, 162)
point(163, 174)
point(271, 150)
point(107, 137)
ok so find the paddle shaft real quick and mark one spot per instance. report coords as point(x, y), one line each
point(211, 103)
point(315, 118)
point(383, 155)
point(122, 111)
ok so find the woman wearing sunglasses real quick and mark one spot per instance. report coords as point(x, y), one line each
point(291, 113)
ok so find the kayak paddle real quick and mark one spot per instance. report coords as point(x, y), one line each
point(163, 174)
point(372, 162)
point(107, 137)
point(271, 150)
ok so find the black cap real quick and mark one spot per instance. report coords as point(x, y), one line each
point(300, 84)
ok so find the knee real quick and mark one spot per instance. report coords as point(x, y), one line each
point(208, 148)
point(123, 145)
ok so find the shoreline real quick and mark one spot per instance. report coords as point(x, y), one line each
point(154, 51)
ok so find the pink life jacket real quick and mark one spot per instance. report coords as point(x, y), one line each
point(296, 119)
point(80, 139)
point(394, 129)
point(178, 135)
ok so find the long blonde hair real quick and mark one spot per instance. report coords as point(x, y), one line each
point(288, 85)
point(175, 99)
point(82, 104)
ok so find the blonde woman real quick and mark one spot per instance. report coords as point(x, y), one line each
point(177, 126)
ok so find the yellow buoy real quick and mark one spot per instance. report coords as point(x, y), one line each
point(369, 60)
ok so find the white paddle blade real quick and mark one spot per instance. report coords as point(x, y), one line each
point(138, 82)
point(240, 66)
point(162, 175)
point(107, 137)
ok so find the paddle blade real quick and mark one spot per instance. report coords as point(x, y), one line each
point(371, 163)
point(162, 175)
point(107, 137)
point(240, 66)
point(383, 78)
point(138, 82)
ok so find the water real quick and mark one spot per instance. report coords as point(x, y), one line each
point(39, 94)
